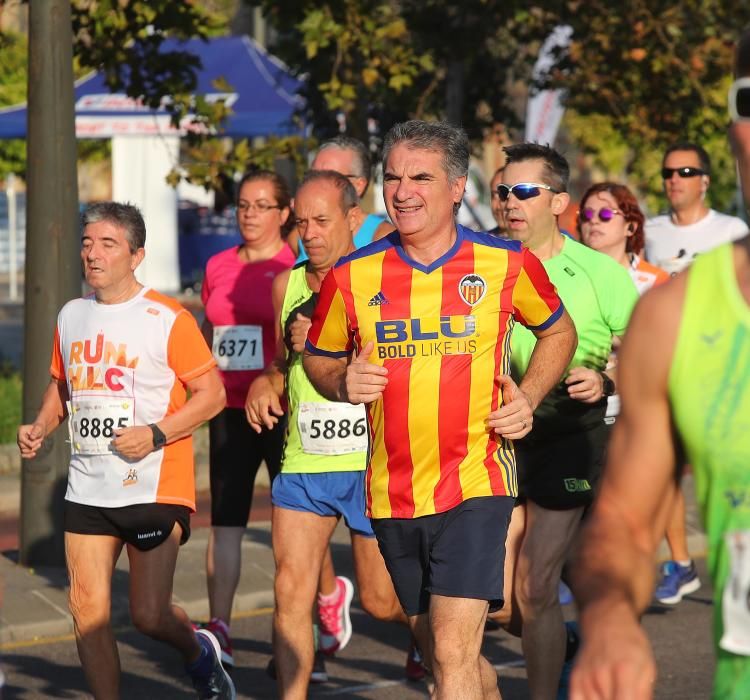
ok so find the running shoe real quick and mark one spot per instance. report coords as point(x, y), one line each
point(219, 629)
point(564, 594)
point(572, 643)
point(215, 683)
point(415, 670)
point(335, 622)
point(676, 581)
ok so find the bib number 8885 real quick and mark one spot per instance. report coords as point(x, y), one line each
point(100, 428)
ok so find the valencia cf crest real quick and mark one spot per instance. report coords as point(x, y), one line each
point(472, 289)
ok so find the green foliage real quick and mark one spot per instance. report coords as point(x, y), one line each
point(11, 399)
point(204, 163)
point(123, 40)
point(12, 91)
point(397, 59)
point(649, 75)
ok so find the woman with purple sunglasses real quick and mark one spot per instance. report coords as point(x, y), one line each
point(611, 222)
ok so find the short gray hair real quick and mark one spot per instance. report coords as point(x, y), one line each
point(348, 195)
point(449, 140)
point(362, 160)
point(126, 216)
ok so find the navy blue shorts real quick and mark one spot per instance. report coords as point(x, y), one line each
point(328, 494)
point(459, 553)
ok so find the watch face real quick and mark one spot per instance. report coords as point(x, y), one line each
point(159, 439)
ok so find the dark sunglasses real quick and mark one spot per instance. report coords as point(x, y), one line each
point(687, 171)
point(739, 100)
point(523, 190)
point(605, 214)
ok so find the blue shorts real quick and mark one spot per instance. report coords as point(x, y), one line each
point(327, 494)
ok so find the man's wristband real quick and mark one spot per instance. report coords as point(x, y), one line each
point(159, 438)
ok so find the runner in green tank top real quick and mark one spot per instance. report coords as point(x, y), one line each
point(322, 473)
point(684, 375)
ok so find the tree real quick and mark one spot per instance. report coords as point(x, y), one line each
point(394, 60)
point(639, 75)
point(124, 39)
point(13, 59)
point(647, 75)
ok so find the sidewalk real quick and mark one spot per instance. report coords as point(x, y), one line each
point(35, 605)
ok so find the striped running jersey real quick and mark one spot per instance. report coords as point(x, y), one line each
point(443, 332)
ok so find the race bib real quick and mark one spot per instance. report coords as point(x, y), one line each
point(332, 428)
point(736, 596)
point(92, 423)
point(238, 347)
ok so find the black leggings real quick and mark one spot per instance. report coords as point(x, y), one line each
point(235, 453)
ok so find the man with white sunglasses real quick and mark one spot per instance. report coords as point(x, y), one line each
point(685, 389)
point(560, 460)
point(690, 227)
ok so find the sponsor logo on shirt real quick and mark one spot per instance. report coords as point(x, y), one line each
point(378, 300)
point(425, 337)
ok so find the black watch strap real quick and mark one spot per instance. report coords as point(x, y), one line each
point(160, 439)
point(608, 385)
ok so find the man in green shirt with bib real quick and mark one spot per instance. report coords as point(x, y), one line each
point(325, 452)
point(684, 380)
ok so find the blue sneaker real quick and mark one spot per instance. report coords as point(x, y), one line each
point(571, 649)
point(564, 594)
point(211, 681)
point(676, 581)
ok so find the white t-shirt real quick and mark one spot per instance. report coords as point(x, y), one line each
point(127, 364)
point(673, 247)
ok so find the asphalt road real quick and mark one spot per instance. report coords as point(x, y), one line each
point(370, 667)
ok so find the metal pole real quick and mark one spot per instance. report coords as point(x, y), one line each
point(53, 274)
point(10, 189)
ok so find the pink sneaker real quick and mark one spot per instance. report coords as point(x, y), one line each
point(220, 630)
point(335, 623)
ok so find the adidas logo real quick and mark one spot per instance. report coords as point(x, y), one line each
point(378, 300)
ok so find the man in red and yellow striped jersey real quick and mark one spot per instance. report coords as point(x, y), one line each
point(429, 311)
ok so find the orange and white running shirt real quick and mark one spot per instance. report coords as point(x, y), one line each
point(127, 364)
point(644, 274)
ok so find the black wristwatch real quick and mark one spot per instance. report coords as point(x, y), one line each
point(608, 385)
point(160, 439)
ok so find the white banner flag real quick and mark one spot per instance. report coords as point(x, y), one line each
point(544, 110)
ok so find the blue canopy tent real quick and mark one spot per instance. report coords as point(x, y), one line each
point(263, 98)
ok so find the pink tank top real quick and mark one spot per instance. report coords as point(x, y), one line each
point(237, 297)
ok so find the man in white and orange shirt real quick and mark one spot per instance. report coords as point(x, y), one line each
point(123, 360)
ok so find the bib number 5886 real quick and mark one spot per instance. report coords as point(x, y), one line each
point(330, 429)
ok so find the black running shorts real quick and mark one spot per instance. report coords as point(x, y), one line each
point(459, 553)
point(561, 472)
point(236, 452)
point(144, 526)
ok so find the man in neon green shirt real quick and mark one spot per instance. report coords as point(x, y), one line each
point(560, 460)
point(684, 364)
